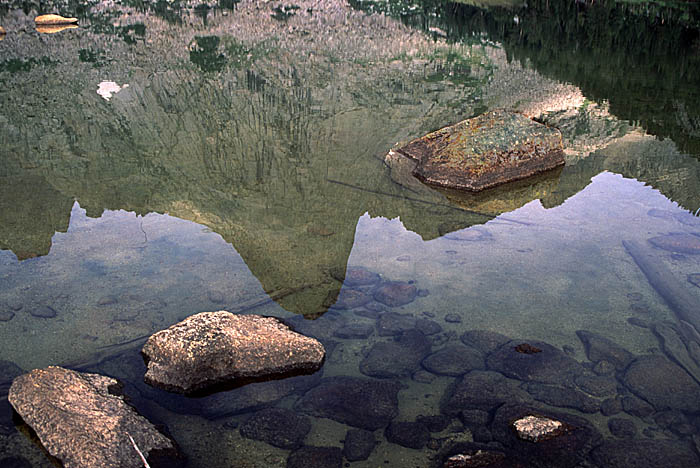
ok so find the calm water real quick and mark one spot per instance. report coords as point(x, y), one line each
point(164, 159)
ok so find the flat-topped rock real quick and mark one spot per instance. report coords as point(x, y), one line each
point(485, 151)
point(214, 348)
point(83, 420)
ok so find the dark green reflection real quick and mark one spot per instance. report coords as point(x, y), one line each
point(205, 54)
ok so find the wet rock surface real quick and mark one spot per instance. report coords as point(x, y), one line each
point(358, 444)
point(82, 420)
point(316, 457)
point(399, 358)
point(212, 348)
point(481, 390)
point(663, 384)
point(407, 434)
point(395, 293)
point(645, 453)
point(364, 403)
point(279, 427)
point(551, 365)
point(485, 151)
point(454, 361)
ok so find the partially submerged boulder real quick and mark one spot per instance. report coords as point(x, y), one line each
point(214, 348)
point(485, 151)
point(83, 421)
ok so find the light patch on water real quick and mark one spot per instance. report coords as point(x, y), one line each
point(107, 88)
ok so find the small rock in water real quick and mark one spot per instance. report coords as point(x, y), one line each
point(15, 305)
point(484, 340)
point(375, 307)
point(278, 427)
point(354, 331)
point(661, 214)
point(6, 315)
point(357, 276)
point(454, 360)
point(636, 406)
point(403, 258)
point(217, 297)
point(694, 278)
point(550, 365)
point(687, 218)
point(611, 406)
point(43, 311)
point(603, 368)
point(622, 428)
point(107, 300)
point(475, 459)
point(395, 293)
point(428, 327)
point(393, 323)
point(453, 318)
point(472, 234)
point(358, 444)
point(408, 434)
point(525, 348)
point(316, 457)
point(423, 377)
point(394, 359)
point(535, 428)
point(679, 243)
point(351, 298)
point(600, 348)
point(637, 322)
point(423, 293)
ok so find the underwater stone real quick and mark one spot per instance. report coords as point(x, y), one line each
point(484, 340)
point(482, 390)
point(622, 428)
point(279, 427)
point(679, 243)
point(393, 323)
point(551, 365)
point(6, 315)
point(599, 348)
point(611, 406)
point(636, 406)
point(8, 372)
point(428, 327)
point(407, 434)
point(567, 449)
point(597, 385)
point(84, 421)
point(358, 444)
point(365, 403)
point(395, 293)
point(555, 395)
point(603, 368)
point(107, 300)
point(316, 457)
point(485, 151)
point(454, 360)
point(43, 311)
point(399, 358)
point(350, 298)
point(356, 276)
point(453, 318)
point(474, 418)
point(694, 279)
point(663, 384)
point(212, 348)
point(435, 423)
point(646, 453)
point(354, 331)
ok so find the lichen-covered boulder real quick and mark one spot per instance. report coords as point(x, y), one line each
point(485, 151)
point(83, 420)
point(213, 348)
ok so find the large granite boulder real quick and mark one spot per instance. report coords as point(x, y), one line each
point(213, 348)
point(485, 151)
point(83, 420)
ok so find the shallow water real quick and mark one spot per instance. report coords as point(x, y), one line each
point(242, 168)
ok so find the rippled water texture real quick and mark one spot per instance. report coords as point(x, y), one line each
point(169, 158)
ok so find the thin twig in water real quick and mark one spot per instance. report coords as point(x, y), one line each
point(143, 459)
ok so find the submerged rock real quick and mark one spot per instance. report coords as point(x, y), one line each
point(213, 348)
point(562, 397)
point(316, 457)
point(599, 348)
point(485, 341)
point(481, 390)
point(393, 323)
point(365, 403)
point(485, 151)
point(694, 279)
point(43, 311)
point(350, 298)
point(647, 453)
point(663, 384)
point(550, 365)
point(407, 434)
point(82, 420)
point(395, 359)
point(622, 428)
point(279, 427)
point(354, 331)
point(6, 315)
point(358, 444)
point(395, 293)
point(454, 360)
point(8, 372)
point(357, 276)
point(679, 243)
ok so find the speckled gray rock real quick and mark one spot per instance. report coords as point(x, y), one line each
point(213, 348)
point(83, 421)
point(663, 384)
